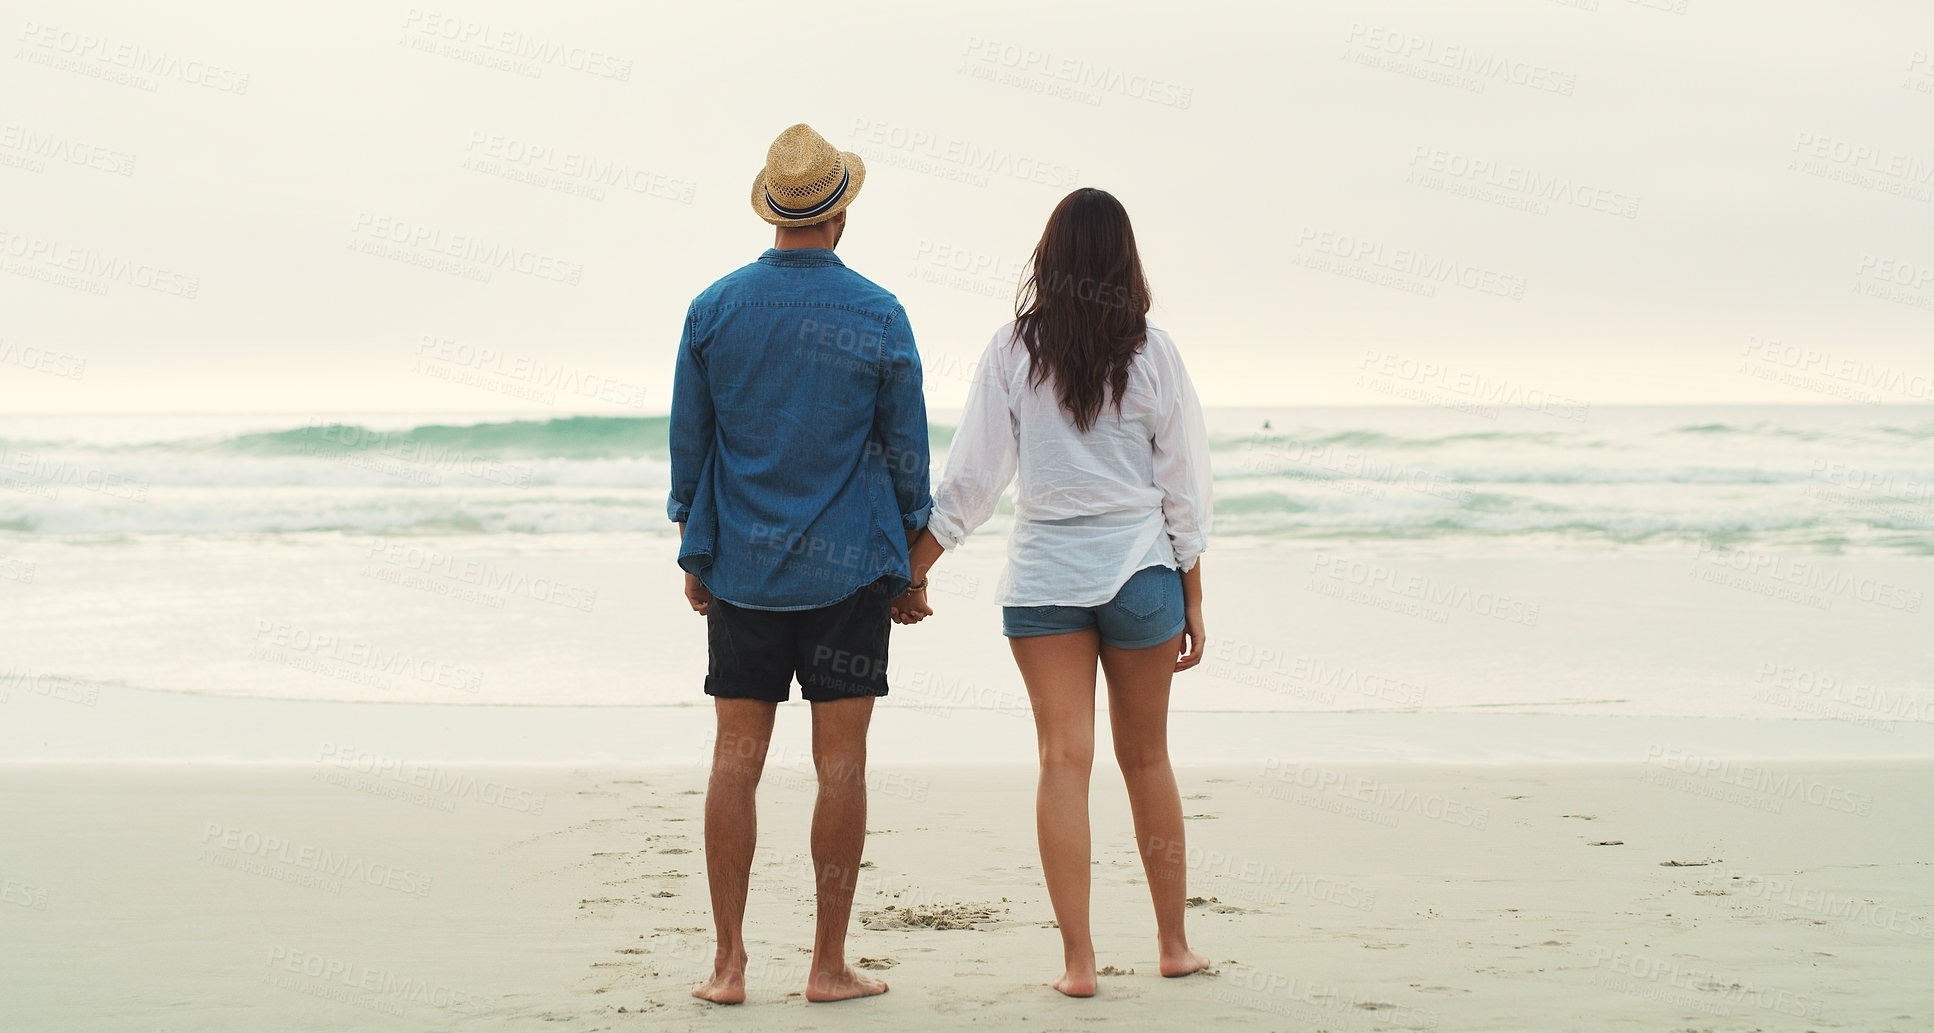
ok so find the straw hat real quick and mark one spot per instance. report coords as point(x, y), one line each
point(806, 180)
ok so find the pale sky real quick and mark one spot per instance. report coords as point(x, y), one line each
point(1725, 172)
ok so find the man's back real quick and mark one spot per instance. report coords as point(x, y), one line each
point(799, 472)
point(799, 443)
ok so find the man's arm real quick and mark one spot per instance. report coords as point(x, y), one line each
point(900, 422)
point(691, 435)
point(692, 428)
point(695, 591)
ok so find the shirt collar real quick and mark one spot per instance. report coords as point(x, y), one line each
point(800, 256)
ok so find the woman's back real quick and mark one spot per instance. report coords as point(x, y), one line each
point(1066, 472)
point(1092, 409)
point(1092, 506)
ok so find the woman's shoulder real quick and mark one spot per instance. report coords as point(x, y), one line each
point(1160, 350)
point(1006, 344)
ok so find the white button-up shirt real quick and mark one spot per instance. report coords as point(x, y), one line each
point(1093, 508)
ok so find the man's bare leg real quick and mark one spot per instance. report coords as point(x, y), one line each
point(732, 834)
point(839, 838)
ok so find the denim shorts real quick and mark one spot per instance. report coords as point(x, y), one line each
point(1146, 612)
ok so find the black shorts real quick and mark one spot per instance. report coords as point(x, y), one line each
point(838, 651)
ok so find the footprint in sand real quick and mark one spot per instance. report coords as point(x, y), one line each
point(931, 916)
point(1110, 970)
point(875, 963)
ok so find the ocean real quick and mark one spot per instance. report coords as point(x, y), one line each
point(1816, 478)
point(1762, 561)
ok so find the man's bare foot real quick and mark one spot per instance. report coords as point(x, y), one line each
point(727, 985)
point(843, 985)
point(1182, 962)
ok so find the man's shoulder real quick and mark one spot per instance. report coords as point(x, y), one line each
point(851, 290)
point(845, 289)
point(867, 292)
point(726, 287)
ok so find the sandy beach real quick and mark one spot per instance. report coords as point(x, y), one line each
point(1681, 892)
point(1549, 382)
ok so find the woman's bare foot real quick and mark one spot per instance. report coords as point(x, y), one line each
point(843, 985)
point(1075, 985)
point(1079, 979)
point(1182, 961)
point(727, 985)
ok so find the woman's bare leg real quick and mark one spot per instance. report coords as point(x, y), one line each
point(1138, 685)
point(1060, 674)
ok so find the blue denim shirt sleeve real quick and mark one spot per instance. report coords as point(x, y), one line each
point(900, 420)
point(692, 424)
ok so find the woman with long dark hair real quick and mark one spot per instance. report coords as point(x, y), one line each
point(1094, 411)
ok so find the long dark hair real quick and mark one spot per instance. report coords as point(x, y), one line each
point(1082, 310)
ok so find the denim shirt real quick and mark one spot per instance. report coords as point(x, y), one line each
point(798, 434)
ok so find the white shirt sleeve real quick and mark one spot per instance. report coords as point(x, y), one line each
point(984, 456)
point(1182, 460)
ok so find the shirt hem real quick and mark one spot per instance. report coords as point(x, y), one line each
point(897, 583)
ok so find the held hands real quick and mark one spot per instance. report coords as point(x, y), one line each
point(911, 607)
point(922, 551)
point(1192, 638)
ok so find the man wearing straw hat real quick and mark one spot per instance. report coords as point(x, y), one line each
point(799, 473)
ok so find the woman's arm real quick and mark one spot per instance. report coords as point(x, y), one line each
point(980, 464)
point(984, 455)
point(1193, 637)
point(925, 552)
point(1181, 443)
